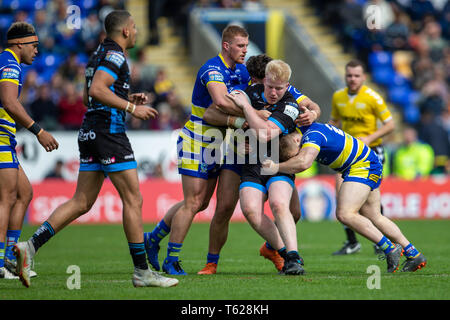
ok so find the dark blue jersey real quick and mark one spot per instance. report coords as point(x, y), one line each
point(108, 57)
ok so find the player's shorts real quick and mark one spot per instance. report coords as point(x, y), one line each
point(104, 151)
point(196, 160)
point(251, 177)
point(379, 151)
point(368, 172)
point(8, 156)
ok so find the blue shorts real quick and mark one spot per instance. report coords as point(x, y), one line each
point(368, 172)
point(197, 160)
point(8, 156)
point(252, 177)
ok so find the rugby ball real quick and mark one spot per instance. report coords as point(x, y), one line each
point(240, 92)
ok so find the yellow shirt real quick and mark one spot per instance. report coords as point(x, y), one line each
point(359, 113)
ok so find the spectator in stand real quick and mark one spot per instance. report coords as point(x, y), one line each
point(162, 86)
point(56, 87)
point(29, 88)
point(397, 33)
point(432, 131)
point(68, 69)
point(90, 32)
point(413, 159)
point(421, 8)
point(44, 30)
point(43, 110)
point(71, 108)
point(56, 172)
point(351, 18)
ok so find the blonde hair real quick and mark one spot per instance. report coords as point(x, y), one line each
point(278, 70)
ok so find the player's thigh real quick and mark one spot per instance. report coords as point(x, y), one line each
point(252, 201)
point(228, 188)
point(8, 184)
point(371, 209)
point(24, 188)
point(351, 196)
point(88, 187)
point(126, 183)
point(280, 190)
point(294, 206)
point(339, 180)
point(197, 191)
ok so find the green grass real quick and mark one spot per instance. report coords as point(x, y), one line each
point(101, 252)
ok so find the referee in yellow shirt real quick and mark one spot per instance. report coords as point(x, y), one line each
point(357, 109)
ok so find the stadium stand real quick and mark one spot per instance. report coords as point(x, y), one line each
point(407, 54)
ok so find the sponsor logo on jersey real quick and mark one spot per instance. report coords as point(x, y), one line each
point(215, 76)
point(10, 73)
point(115, 57)
point(291, 111)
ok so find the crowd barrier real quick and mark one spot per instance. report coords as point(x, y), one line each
point(418, 199)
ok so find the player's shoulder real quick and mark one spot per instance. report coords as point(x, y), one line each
point(7, 60)
point(114, 56)
point(371, 94)
point(340, 92)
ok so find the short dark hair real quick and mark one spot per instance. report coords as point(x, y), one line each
point(355, 63)
point(20, 30)
point(115, 20)
point(256, 65)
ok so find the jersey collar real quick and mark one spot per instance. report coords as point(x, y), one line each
point(14, 55)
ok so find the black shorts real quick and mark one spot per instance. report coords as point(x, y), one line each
point(379, 151)
point(104, 151)
point(251, 177)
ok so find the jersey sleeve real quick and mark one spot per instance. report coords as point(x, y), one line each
point(211, 75)
point(10, 73)
point(334, 110)
point(285, 115)
point(297, 94)
point(313, 138)
point(381, 109)
point(112, 63)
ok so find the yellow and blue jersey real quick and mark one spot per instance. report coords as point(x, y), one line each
point(11, 71)
point(214, 70)
point(359, 113)
point(297, 94)
point(343, 153)
point(196, 135)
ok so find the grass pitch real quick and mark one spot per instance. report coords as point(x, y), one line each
point(101, 253)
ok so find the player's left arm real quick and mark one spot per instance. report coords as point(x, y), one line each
point(298, 163)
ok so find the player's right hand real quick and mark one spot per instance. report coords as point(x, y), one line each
point(144, 112)
point(264, 114)
point(47, 141)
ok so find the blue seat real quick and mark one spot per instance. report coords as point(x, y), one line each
point(379, 59)
point(411, 114)
point(383, 75)
point(400, 95)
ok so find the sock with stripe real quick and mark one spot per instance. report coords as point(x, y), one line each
point(212, 258)
point(42, 235)
point(411, 251)
point(173, 251)
point(12, 236)
point(268, 246)
point(386, 245)
point(137, 251)
point(2, 254)
point(158, 233)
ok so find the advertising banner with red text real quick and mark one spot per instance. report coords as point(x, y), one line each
point(419, 199)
